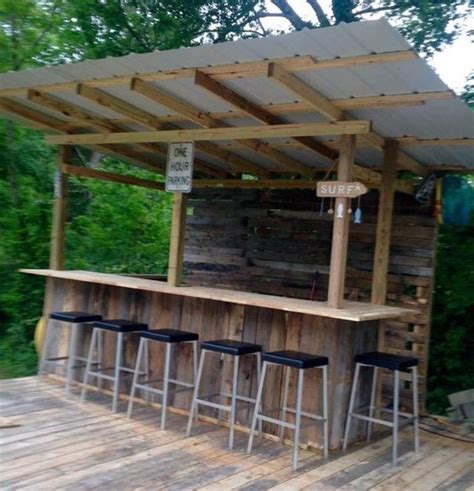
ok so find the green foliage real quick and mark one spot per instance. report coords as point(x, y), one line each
point(452, 340)
point(116, 228)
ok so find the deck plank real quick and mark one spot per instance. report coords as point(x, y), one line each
point(61, 444)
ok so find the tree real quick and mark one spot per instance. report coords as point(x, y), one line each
point(118, 27)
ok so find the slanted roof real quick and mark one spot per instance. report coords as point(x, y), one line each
point(364, 71)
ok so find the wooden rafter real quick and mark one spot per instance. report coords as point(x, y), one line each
point(86, 172)
point(74, 170)
point(434, 142)
point(43, 121)
point(200, 118)
point(213, 134)
point(119, 106)
point(301, 107)
point(232, 70)
point(232, 97)
point(325, 107)
point(73, 111)
point(149, 121)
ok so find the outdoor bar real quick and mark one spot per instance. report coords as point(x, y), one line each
point(304, 225)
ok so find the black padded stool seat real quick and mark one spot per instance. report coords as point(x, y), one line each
point(295, 359)
point(75, 317)
point(231, 347)
point(387, 360)
point(170, 335)
point(120, 325)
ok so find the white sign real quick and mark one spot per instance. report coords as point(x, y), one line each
point(179, 167)
point(339, 189)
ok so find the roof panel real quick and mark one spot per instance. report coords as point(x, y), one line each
point(436, 119)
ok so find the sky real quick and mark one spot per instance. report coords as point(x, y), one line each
point(453, 64)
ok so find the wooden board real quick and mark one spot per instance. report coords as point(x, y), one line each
point(60, 444)
point(351, 311)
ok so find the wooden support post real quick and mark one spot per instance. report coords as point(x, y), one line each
point(56, 257)
point(340, 234)
point(382, 241)
point(178, 225)
point(384, 223)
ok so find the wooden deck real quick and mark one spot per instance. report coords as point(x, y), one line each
point(49, 441)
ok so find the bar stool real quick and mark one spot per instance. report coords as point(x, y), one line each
point(74, 319)
point(170, 337)
point(301, 361)
point(120, 327)
point(236, 349)
point(396, 364)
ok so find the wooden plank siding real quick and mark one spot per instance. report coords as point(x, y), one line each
point(272, 241)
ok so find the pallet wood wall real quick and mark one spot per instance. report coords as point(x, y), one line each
point(273, 241)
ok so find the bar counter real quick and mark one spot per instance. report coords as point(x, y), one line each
point(274, 322)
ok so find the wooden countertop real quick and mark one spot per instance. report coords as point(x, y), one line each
point(352, 311)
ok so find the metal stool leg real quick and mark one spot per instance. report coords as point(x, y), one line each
point(118, 362)
point(71, 360)
point(351, 407)
point(396, 396)
point(235, 378)
point(325, 412)
point(286, 374)
point(88, 365)
point(258, 403)
point(416, 432)
point(299, 399)
point(146, 368)
point(135, 377)
point(195, 369)
point(372, 403)
point(100, 356)
point(259, 376)
point(195, 393)
point(164, 402)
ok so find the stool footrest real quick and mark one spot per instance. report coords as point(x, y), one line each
point(250, 400)
point(161, 391)
point(276, 421)
point(382, 421)
point(215, 405)
point(58, 358)
point(305, 414)
point(188, 385)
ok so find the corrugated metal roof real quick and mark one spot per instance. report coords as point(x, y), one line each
point(434, 119)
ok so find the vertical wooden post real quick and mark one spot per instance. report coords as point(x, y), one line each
point(58, 225)
point(384, 223)
point(340, 233)
point(178, 226)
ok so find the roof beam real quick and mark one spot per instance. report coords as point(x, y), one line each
point(73, 111)
point(230, 71)
point(200, 118)
point(148, 120)
point(74, 170)
point(325, 107)
point(304, 91)
point(118, 105)
point(231, 97)
point(211, 134)
point(435, 142)
point(301, 107)
point(43, 121)
point(33, 117)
